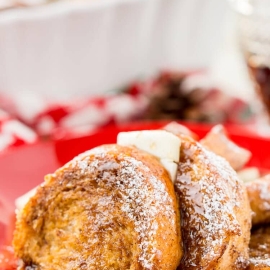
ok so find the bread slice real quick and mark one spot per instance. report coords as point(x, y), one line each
point(113, 207)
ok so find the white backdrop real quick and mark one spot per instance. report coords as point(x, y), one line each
point(64, 50)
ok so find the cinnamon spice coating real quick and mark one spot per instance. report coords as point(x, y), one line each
point(215, 212)
point(259, 197)
point(259, 248)
point(113, 207)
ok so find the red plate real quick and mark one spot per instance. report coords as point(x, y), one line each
point(24, 167)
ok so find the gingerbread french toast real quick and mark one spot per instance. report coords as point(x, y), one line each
point(144, 203)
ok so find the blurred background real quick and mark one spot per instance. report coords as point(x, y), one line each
point(68, 67)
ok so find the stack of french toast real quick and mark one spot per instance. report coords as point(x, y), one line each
point(156, 200)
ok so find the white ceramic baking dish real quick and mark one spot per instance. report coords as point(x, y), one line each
point(63, 50)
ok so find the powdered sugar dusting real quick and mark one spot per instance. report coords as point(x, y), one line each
point(143, 196)
point(264, 192)
point(260, 247)
point(208, 203)
point(259, 197)
point(83, 165)
point(261, 256)
point(146, 208)
point(265, 262)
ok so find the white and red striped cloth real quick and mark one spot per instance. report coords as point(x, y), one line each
point(25, 118)
point(13, 132)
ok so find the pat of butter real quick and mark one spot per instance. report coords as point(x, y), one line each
point(159, 143)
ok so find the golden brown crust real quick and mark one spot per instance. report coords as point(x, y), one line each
point(217, 141)
point(112, 207)
point(178, 129)
point(259, 197)
point(259, 249)
point(215, 212)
